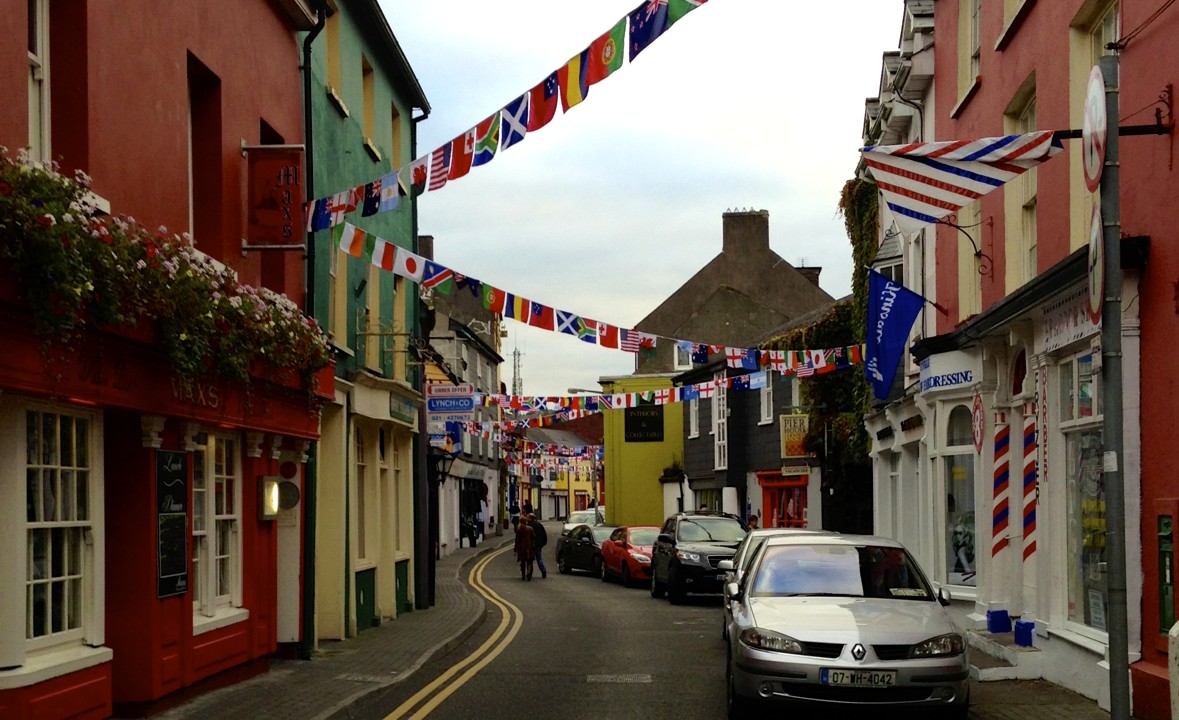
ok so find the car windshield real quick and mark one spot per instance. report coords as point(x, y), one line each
point(581, 516)
point(710, 529)
point(643, 536)
point(601, 533)
point(842, 570)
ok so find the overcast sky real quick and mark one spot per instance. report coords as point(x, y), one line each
point(608, 210)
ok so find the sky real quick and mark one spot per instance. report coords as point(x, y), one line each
point(610, 208)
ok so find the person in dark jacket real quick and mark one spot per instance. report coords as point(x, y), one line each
point(523, 548)
point(540, 538)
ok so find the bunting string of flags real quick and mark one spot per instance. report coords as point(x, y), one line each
point(444, 281)
point(566, 86)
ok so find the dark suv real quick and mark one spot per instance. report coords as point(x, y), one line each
point(686, 553)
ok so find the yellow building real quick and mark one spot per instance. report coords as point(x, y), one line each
point(641, 442)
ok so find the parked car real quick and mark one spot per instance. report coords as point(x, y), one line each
point(687, 552)
point(626, 554)
point(746, 551)
point(828, 620)
point(589, 516)
point(581, 548)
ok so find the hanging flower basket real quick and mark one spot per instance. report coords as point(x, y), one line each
point(78, 272)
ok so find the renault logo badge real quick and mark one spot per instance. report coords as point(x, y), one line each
point(858, 652)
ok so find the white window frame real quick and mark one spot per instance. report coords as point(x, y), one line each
point(363, 486)
point(694, 418)
point(720, 424)
point(215, 606)
point(766, 395)
point(39, 75)
point(681, 358)
point(1027, 184)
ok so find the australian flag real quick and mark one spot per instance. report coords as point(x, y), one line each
point(372, 198)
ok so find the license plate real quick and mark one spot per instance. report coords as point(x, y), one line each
point(859, 678)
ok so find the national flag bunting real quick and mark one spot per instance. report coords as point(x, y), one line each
point(384, 254)
point(462, 153)
point(676, 9)
point(541, 316)
point(647, 22)
point(514, 124)
point(542, 102)
point(409, 265)
point(439, 277)
point(413, 177)
point(605, 54)
point(574, 88)
point(372, 198)
point(486, 140)
point(439, 167)
point(390, 193)
point(352, 239)
point(924, 182)
point(628, 340)
point(567, 322)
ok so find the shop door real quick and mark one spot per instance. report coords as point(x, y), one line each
point(366, 599)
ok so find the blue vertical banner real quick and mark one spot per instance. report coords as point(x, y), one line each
point(892, 308)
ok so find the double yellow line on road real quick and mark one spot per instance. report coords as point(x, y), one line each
point(442, 687)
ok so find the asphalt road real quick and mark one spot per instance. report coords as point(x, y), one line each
point(571, 647)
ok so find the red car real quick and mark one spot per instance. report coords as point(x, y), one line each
point(626, 554)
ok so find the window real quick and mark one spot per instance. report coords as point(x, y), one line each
point(683, 357)
point(368, 85)
point(335, 75)
point(397, 495)
point(39, 80)
point(395, 153)
point(720, 424)
point(975, 38)
point(361, 497)
point(61, 502)
point(767, 400)
point(374, 318)
point(969, 264)
point(1025, 189)
point(216, 511)
point(401, 339)
point(958, 465)
point(1105, 30)
point(694, 417)
point(969, 49)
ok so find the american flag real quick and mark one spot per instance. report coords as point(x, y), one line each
point(924, 182)
point(439, 167)
point(628, 340)
point(805, 370)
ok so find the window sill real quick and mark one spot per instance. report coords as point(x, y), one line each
point(338, 101)
point(1085, 642)
point(371, 147)
point(1013, 24)
point(362, 565)
point(43, 666)
point(765, 421)
point(966, 97)
point(223, 617)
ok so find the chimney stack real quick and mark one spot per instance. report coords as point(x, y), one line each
point(810, 273)
point(745, 232)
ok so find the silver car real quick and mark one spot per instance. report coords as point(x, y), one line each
point(746, 551)
point(831, 620)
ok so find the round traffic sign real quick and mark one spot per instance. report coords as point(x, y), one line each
point(1093, 130)
point(1096, 265)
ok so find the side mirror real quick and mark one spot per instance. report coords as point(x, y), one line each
point(665, 538)
point(943, 596)
point(733, 590)
point(726, 565)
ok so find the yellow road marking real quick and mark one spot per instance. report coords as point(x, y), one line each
point(500, 639)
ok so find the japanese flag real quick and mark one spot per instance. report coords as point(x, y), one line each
point(409, 265)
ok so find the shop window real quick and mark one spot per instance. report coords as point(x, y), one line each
point(216, 516)
point(958, 465)
point(59, 501)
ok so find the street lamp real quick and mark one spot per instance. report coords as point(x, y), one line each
point(583, 390)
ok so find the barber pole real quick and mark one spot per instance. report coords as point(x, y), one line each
point(1000, 512)
point(1029, 480)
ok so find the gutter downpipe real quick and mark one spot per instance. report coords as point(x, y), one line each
point(425, 552)
point(307, 643)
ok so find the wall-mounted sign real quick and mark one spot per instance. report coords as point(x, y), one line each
point(944, 371)
point(275, 195)
point(1065, 320)
point(977, 422)
point(643, 424)
point(171, 523)
point(792, 430)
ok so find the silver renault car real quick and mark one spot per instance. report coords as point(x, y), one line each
point(831, 620)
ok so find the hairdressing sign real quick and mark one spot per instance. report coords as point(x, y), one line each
point(949, 371)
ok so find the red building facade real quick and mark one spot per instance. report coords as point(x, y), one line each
point(136, 489)
point(1009, 293)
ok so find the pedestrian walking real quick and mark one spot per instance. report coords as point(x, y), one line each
point(753, 522)
point(540, 538)
point(523, 548)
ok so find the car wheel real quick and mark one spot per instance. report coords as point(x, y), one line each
point(626, 581)
point(657, 588)
point(563, 564)
point(599, 568)
point(960, 712)
point(739, 706)
point(675, 588)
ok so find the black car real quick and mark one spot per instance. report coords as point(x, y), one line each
point(685, 556)
point(581, 548)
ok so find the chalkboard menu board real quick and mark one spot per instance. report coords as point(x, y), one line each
point(172, 523)
point(643, 424)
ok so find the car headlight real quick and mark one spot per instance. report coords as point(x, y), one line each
point(689, 556)
point(940, 646)
point(639, 558)
point(770, 640)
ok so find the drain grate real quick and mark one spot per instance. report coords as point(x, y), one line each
point(623, 679)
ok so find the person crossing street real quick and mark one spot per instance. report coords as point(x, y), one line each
point(540, 538)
